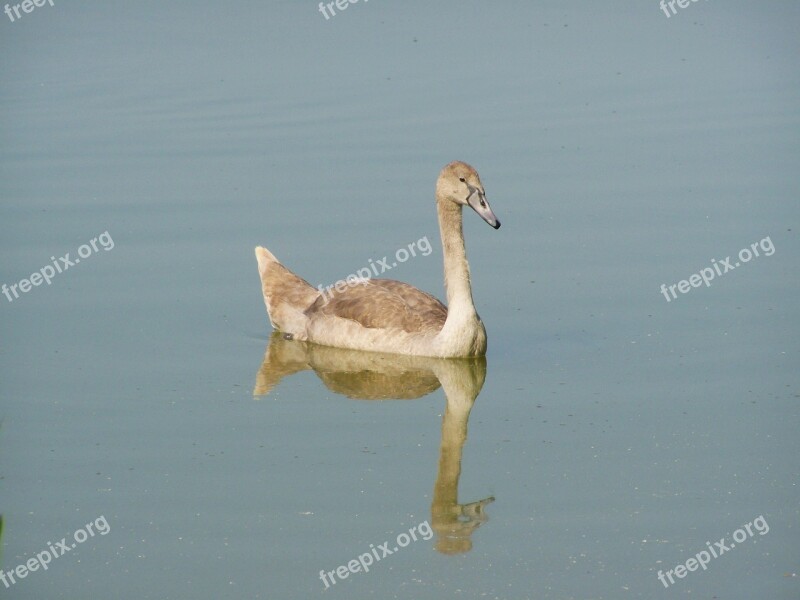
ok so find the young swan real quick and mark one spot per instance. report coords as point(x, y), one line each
point(383, 315)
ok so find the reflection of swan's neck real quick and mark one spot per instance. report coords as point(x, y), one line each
point(460, 391)
point(462, 380)
point(461, 386)
point(454, 434)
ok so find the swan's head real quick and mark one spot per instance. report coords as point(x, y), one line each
point(460, 183)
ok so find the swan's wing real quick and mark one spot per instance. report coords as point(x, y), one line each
point(383, 304)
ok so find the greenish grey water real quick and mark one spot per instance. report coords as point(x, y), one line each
point(616, 431)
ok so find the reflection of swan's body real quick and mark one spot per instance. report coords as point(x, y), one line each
point(382, 315)
point(371, 375)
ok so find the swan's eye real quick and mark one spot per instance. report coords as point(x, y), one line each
point(462, 180)
point(483, 203)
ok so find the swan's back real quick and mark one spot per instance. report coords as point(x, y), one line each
point(383, 304)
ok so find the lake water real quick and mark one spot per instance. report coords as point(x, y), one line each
point(610, 433)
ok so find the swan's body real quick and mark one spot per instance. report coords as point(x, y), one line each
point(383, 315)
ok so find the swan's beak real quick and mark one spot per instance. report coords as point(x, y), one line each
point(477, 200)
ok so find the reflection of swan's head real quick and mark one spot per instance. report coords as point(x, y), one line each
point(454, 535)
point(460, 183)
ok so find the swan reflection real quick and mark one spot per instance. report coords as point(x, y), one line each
point(376, 376)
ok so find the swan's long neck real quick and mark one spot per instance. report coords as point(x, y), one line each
point(456, 268)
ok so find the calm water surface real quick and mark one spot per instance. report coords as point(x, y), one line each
point(609, 434)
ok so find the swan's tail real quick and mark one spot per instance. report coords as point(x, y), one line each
point(286, 295)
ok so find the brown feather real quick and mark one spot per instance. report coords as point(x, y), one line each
point(383, 304)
